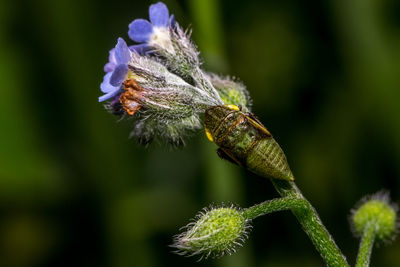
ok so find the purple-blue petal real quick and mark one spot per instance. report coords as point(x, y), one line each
point(141, 49)
point(109, 90)
point(122, 52)
point(119, 74)
point(105, 86)
point(159, 14)
point(111, 56)
point(109, 67)
point(172, 21)
point(111, 61)
point(110, 95)
point(140, 30)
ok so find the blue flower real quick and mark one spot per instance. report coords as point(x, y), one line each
point(155, 31)
point(112, 62)
point(117, 69)
point(141, 49)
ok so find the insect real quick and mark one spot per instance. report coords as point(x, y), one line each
point(244, 140)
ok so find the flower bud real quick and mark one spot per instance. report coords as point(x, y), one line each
point(183, 58)
point(378, 211)
point(231, 92)
point(168, 106)
point(216, 232)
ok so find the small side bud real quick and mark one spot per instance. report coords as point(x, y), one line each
point(232, 92)
point(215, 232)
point(183, 57)
point(378, 211)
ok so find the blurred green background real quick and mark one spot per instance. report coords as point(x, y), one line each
point(76, 191)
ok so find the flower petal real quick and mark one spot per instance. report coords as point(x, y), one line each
point(118, 75)
point(111, 56)
point(172, 21)
point(122, 52)
point(159, 14)
point(140, 30)
point(109, 95)
point(109, 67)
point(141, 49)
point(105, 86)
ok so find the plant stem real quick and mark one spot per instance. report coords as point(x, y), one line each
point(311, 224)
point(270, 206)
point(367, 242)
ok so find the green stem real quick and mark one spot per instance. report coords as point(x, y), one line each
point(367, 242)
point(311, 224)
point(270, 206)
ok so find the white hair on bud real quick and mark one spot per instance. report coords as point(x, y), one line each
point(214, 232)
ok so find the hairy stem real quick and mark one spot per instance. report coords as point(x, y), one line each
point(311, 224)
point(269, 206)
point(367, 242)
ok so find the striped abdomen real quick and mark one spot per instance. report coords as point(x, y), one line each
point(244, 140)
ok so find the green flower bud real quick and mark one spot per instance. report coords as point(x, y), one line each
point(378, 211)
point(216, 232)
point(231, 92)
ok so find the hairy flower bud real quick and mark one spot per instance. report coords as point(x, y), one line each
point(168, 105)
point(216, 232)
point(184, 61)
point(376, 210)
point(151, 85)
point(231, 92)
point(183, 58)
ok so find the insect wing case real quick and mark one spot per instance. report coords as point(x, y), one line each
point(246, 141)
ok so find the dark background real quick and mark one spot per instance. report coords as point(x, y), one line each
point(76, 191)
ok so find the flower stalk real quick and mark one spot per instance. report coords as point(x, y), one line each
point(367, 243)
point(311, 224)
point(273, 205)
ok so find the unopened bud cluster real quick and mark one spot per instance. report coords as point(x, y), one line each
point(215, 232)
point(159, 82)
point(376, 211)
